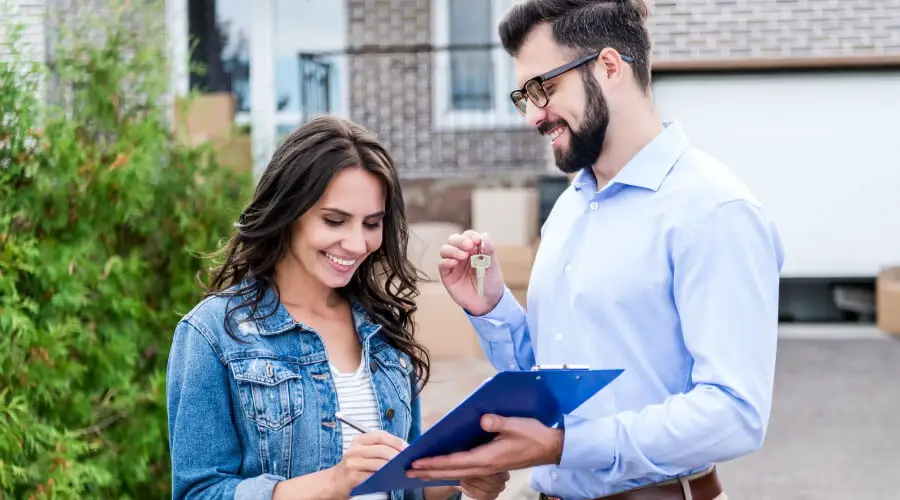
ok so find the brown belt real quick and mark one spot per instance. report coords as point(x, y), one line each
point(700, 486)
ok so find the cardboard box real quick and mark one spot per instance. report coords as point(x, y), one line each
point(234, 151)
point(516, 262)
point(209, 118)
point(425, 241)
point(443, 327)
point(508, 215)
point(205, 117)
point(887, 300)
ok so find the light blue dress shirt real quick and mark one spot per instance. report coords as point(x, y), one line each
point(671, 273)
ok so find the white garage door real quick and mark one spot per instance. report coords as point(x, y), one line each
point(820, 150)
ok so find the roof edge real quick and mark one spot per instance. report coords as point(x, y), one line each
point(726, 65)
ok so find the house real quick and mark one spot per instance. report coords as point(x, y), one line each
point(798, 97)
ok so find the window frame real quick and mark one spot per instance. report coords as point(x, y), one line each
point(503, 114)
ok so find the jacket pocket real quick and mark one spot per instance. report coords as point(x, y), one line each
point(399, 370)
point(271, 390)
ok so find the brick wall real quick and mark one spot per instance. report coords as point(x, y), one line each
point(742, 29)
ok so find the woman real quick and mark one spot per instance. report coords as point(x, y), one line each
point(309, 313)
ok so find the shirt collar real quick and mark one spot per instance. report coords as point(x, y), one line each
point(650, 166)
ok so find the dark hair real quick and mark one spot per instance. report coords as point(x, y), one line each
point(585, 26)
point(295, 179)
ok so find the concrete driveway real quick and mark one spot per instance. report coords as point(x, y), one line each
point(835, 428)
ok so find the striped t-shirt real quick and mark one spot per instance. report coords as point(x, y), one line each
point(356, 399)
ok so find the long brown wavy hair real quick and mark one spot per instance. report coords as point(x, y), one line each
point(385, 284)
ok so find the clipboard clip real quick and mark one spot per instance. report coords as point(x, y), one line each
point(563, 366)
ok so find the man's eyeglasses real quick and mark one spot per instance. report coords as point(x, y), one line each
point(533, 90)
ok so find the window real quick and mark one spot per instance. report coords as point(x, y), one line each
point(303, 85)
point(473, 75)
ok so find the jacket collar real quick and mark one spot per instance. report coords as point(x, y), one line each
point(271, 317)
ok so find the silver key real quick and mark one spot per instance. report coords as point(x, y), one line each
point(480, 262)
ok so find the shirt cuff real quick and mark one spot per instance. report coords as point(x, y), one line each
point(588, 444)
point(257, 488)
point(496, 324)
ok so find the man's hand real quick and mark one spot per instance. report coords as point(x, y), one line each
point(520, 443)
point(486, 487)
point(459, 278)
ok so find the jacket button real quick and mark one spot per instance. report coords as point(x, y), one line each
point(373, 366)
point(389, 414)
point(402, 363)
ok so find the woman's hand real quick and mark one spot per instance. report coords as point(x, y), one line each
point(366, 454)
point(485, 488)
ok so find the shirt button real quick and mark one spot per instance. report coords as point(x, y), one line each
point(595, 205)
point(512, 365)
point(557, 337)
point(554, 476)
point(568, 269)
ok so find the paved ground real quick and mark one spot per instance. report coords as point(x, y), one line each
point(835, 429)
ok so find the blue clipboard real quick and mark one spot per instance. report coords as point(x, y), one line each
point(543, 394)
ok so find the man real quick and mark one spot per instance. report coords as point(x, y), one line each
point(656, 260)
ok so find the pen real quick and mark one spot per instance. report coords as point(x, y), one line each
point(352, 423)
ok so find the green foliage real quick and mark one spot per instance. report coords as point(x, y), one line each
point(102, 217)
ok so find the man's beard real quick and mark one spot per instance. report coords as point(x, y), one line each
point(586, 144)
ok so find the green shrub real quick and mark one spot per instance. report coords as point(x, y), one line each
point(102, 217)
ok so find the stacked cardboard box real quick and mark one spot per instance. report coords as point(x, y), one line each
point(441, 326)
point(887, 300)
point(509, 217)
point(516, 262)
point(209, 118)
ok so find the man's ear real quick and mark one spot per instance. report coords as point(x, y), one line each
point(610, 66)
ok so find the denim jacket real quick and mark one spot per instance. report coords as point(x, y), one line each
point(244, 415)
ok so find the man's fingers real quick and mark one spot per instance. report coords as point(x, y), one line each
point(508, 425)
point(485, 487)
point(471, 458)
point(446, 266)
point(449, 251)
point(487, 492)
point(481, 484)
point(460, 241)
point(472, 235)
point(455, 474)
point(468, 240)
point(486, 247)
